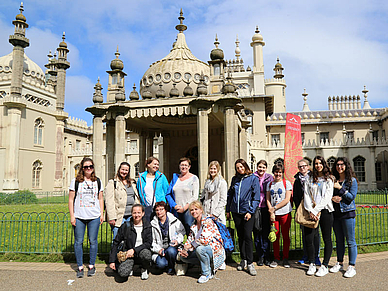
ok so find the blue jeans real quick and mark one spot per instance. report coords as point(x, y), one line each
point(79, 233)
point(115, 229)
point(346, 228)
point(187, 220)
point(168, 260)
point(203, 255)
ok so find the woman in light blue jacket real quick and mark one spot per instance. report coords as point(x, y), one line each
point(345, 191)
point(152, 186)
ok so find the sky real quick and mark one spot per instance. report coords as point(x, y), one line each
point(331, 48)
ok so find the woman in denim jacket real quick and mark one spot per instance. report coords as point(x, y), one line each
point(345, 191)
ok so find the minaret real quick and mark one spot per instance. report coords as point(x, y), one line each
point(277, 88)
point(62, 65)
point(15, 104)
point(217, 68)
point(116, 78)
point(258, 63)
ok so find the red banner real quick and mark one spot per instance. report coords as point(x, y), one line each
point(292, 146)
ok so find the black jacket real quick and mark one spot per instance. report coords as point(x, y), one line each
point(127, 233)
point(298, 191)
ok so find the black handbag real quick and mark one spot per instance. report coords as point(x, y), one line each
point(257, 219)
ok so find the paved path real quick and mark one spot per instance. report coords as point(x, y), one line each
point(372, 273)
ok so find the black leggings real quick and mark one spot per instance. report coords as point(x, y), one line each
point(326, 224)
point(244, 232)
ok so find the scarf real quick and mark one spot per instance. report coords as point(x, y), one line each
point(212, 186)
point(303, 179)
point(164, 227)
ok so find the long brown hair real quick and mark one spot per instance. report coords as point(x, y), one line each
point(349, 173)
point(127, 177)
point(325, 170)
point(80, 176)
point(246, 167)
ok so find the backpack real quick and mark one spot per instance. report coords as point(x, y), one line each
point(227, 240)
point(77, 184)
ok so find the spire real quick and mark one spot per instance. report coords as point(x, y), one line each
point(305, 105)
point(366, 103)
point(216, 53)
point(237, 50)
point(117, 64)
point(181, 27)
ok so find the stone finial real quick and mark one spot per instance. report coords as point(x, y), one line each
point(305, 105)
point(174, 92)
point(188, 91)
point(229, 87)
point(278, 69)
point(237, 50)
point(160, 93)
point(181, 27)
point(134, 95)
point(146, 93)
point(202, 88)
point(97, 95)
point(366, 103)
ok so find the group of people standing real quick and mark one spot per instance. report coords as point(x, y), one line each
point(151, 217)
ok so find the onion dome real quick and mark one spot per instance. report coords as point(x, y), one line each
point(174, 92)
point(188, 91)
point(146, 94)
point(117, 64)
point(20, 16)
point(120, 96)
point(134, 95)
point(257, 36)
point(160, 93)
point(217, 53)
point(63, 44)
point(229, 87)
point(179, 67)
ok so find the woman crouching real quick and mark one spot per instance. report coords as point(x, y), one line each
point(204, 244)
point(137, 237)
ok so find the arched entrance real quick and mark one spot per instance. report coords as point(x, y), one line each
point(381, 170)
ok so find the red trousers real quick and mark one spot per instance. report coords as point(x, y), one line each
point(282, 224)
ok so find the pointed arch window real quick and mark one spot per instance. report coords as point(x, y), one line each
point(330, 162)
point(38, 131)
point(37, 167)
point(279, 161)
point(359, 168)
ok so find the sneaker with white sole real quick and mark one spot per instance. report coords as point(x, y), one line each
point(204, 278)
point(251, 270)
point(312, 269)
point(323, 271)
point(273, 264)
point(144, 274)
point(336, 268)
point(242, 265)
point(286, 264)
point(222, 267)
point(350, 272)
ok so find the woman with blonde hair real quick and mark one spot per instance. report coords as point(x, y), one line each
point(86, 207)
point(120, 195)
point(204, 244)
point(215, 192)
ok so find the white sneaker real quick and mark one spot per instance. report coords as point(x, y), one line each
point(323, 271)
point(273, 264)
point(350, 272)
point(312, 269)
point(144, 274)
point(223, 266)
point(336, 268)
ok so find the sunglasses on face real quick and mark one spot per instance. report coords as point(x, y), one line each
point(91, 167)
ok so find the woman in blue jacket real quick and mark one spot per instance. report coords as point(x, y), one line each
point(345, 191)
point(243, 199)
point(152, 186)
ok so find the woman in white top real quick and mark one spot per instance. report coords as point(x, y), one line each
point(279, 207)
point(319, 188)
point(183, 190)
point(86, 207)
point(214, 193)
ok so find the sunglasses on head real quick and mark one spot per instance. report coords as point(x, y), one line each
point(91, 167)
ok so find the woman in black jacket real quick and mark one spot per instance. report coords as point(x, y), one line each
point(137, 237)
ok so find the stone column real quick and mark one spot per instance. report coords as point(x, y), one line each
point(119, 139)
point(161, 153)
point(110, 150)
point(59, 148)
point(244, 141)
point(371, 170)
point(149, 146)
point(228, 103)
point(12, 142)
point(142, 151)
point(202, 104)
